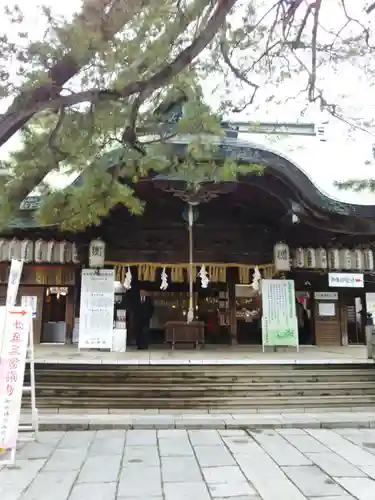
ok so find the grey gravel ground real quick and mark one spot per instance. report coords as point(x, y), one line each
point(179, 464)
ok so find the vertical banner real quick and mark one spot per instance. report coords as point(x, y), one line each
point(13, 350)
point(97, 309)
point(279, 318)
point(14, 282)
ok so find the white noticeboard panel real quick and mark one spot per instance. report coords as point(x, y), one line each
point(279, 319)
point(327, 309)
point(13, 349)
point(96, 311)
point(370, 303)
point(32, 302)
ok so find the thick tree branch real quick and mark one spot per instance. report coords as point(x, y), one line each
point(94, 16)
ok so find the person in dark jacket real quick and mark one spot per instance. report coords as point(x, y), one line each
point(144, 310)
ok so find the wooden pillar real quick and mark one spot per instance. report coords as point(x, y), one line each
point(232, 307)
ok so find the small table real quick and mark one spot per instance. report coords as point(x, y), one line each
point(187, 333)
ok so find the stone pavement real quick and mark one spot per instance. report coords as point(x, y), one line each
point(268, 464)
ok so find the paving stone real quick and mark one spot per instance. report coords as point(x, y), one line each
point(104, 469)
point(50, 484)
point(97, 491)
point(360, 487)
point(141, 455)
point(20, 476)
point(65, 460)
point(34, 450)
point(172, 434)
point(76, 439)
point(213, 456)
point(233, 433)
point(205, 438)
point(175, 447)
point(140, 482)
point(141, 437)
point(267, 478)
point(110, 446)
point(223, 475)
point(181, 470)
point(186, 491)
point(341, 446)
point(346, 497)
point(312, 481)
point(231, 490)
point(281, 451)
point(334, 465)
point(305, 443)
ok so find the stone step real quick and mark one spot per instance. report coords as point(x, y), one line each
point(206, 402)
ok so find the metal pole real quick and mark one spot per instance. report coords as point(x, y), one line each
point(190, 314)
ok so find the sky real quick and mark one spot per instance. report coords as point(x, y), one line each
point(340, 157)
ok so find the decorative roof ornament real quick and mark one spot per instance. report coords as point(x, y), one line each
point(203, 276)
point(164, 280)
point(257, 277)
point(128, 280)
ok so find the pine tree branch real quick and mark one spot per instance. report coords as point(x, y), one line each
point(94, 15)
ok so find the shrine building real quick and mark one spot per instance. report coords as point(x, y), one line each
point(278, 224)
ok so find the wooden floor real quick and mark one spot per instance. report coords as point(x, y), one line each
point(53, 353)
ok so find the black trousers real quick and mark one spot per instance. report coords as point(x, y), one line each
point(143, 336)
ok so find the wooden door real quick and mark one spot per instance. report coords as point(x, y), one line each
point(327, 322)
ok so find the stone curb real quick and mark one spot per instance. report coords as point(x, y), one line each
point(185, 423)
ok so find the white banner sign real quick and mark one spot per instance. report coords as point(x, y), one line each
point(14, 282)
point(279, 319)
point(13, 351)
point(97, 309)
point(345, 280)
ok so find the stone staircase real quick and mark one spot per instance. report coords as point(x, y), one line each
point(276, 387)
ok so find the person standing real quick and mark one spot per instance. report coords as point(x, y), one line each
point(144, 312)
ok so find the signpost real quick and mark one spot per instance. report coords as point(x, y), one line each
point(279, 319)
point(13, 352)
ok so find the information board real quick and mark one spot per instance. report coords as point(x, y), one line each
point(96, 311)
point(279, 319)
point(13, 350)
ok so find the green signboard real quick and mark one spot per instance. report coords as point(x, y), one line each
point(279, 319)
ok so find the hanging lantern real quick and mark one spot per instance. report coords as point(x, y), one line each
point(256, 279)
point(4, 250)
point(321, 258)
point(334, 258)
point(164, 280)
point(50, 247)
point(75, 256)
point(310, 258)
point(38, 251)
point(27, 250)
point(203, 276)
point(14, 250)
point(299, 258)
point(357, 259)
point(281, 257)
point(368, 259)
point(97, 254)
point(61, 251)
point(345, 259)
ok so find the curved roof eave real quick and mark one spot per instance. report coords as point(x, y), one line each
point(255, 153)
